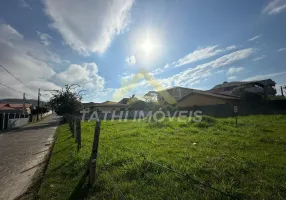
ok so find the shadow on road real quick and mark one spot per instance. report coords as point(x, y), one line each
point(40, 125)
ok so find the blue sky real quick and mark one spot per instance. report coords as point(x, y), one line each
point(103, 45)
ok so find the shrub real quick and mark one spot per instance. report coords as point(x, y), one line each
point(209, 119)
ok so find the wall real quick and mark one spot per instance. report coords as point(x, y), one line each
point(244, 109)
point(17, 123)
point(202, 100)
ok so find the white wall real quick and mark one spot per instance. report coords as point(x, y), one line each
point(17, 123)
point(47, 113)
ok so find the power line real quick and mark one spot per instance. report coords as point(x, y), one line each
point(15, 77)
point(9, 87)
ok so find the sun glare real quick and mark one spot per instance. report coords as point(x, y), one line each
point(148, 47)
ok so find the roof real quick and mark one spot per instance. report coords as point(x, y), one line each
point(108, 104)
point(222, 96)
point(20, 105)
point(124, 101)
point(234, 83)
point(177, 87)
point(7, 106)
point(112, 105)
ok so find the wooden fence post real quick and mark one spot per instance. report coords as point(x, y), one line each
point(92, 163)
point(71, 124)
point(78, 133)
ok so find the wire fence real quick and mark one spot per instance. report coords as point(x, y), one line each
point(75, 128)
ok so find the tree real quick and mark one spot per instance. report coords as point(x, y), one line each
point(151, 96)
point(66, 101)
point(138, 105)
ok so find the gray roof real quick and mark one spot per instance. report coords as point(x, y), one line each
point(178, 87)
point(235, 83)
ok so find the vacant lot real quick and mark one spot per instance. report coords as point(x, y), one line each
point(247, 161)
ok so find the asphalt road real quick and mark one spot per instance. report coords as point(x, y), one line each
point(22, 152)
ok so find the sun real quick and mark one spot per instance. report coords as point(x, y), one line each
point(148, 47)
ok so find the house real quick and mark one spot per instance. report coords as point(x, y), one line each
point(12, 115)
point(230, 88)
point(174, 94)
point(15, 108)
point(202, 98)
point(124, 101)
point(105, 107)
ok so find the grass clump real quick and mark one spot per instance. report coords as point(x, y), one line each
point(209, 119)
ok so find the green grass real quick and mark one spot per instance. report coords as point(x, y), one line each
point(247, 161)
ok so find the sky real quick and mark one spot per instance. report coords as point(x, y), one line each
point(117, 48)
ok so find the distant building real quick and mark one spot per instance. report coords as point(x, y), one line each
point(174, 94)
point(15, 108)
point(201, 98)
point(261, 86)
point(105, 107)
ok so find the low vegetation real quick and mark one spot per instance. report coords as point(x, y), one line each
point(246, 161)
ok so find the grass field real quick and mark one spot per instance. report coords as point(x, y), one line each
point(247, 161)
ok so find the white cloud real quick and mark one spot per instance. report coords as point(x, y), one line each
point(265, 76)
point(131, 60)
point(24, 4)
point(99, 96)
point(8, 34)
point(88, 26)
point(187, 78)
point(282, 49)
point(45, 38)
point(259, 58)
point(157, 71)
point(255, 38)
point(166, 66)
point(16, 56)
point(200, 54)
point(192, 76)
point(136, 84)
point(275, 7)
point(85, 75)
point(231, 77)
point(220, 71)
point(234, 70)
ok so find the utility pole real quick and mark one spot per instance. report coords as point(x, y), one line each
point(282, 91)
point(42, 109)
point(24, 106)
point(39, 94)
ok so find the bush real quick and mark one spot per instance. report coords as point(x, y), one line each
point(207, 122)
point(209, 119)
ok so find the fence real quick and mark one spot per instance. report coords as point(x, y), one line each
point(244, 108)
point(92, 163)
point(17, 120)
